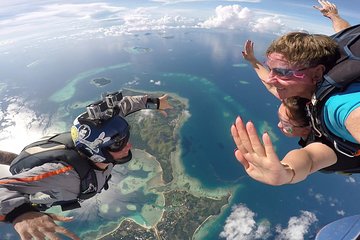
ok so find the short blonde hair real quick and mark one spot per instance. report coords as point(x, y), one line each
point(306, 50)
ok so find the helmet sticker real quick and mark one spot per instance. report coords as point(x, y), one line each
point(74, 133)
point(84, 131)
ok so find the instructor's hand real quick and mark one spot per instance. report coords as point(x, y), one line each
point(259, 160)
point(41, 226)
point(164, 104)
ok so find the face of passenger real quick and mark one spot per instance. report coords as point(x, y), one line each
point(289, 127)
point(289, 80)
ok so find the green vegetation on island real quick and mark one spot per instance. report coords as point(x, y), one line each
point(183, 214)
point(183, 205)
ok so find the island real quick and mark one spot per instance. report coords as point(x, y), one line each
point(152, 196)
point(100, 82)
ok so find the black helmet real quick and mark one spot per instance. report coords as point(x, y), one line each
point(95, 138)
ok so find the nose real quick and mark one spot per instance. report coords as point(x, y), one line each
point(271, 78)
point(280, 125)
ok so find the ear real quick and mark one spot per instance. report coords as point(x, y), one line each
point(305, 131)
point(318, 73)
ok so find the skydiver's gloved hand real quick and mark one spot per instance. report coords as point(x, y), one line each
point(327, 8)
point(37, 225)
point(164, 104)
point(259, 160)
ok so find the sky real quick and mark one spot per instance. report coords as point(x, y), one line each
point(44, 20)
point(25, 23)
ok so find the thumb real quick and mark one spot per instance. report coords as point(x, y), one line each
point(60, 218)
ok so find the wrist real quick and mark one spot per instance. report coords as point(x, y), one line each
point(333, 16)
point(290, 171)
point(20, 210)
point(152, 103)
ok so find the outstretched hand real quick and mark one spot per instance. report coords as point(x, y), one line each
point(164, 104)
point(259, 160)
point(37, 225)
point(248, 52)
point(327, 8)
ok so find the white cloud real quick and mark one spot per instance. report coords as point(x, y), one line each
point(320, 198)
point(350, 179)
point(156, 82)
point(189, 1)
point(241, 224)
point(237, 17)
point(20, 125)
point(232, 17)
point(297, 227)
point(340, 212)
point(271, 24)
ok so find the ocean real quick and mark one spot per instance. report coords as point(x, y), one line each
point(206, 67)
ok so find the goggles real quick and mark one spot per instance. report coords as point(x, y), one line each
point(289, 127)
point(285, 73)
point(119, 142)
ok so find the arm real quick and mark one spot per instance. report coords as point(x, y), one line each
point(352, 124)
point(260, 69)
point(130, 104)
point(45, 184)
point(262, 163)
point(330, 11)
point(7, 157)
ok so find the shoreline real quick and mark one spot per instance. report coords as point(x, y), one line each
point(181, 181)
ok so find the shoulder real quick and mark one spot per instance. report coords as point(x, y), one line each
point(349, 98)
point(339, 107)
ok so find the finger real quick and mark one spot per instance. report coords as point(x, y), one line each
point(60, 218)
point(25, 236)
point(66, 232)
point(254, 139)
point(237, 139)
point(245, 44)
point(249, 46)
point(235, 133)
point(243, 134)
point(242, 159)
point(269, 148)
point(52, 236)
point(38, 234)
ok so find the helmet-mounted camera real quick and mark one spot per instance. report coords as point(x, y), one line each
point(103, 109)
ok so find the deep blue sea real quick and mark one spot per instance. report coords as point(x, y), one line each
point(206, 67)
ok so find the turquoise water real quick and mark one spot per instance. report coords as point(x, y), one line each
point(202, 66)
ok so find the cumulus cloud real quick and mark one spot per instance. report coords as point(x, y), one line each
point(233, 16)
point(241, 224)
point(64, 20)
point(155, 82)
point(21, 125)
point(271, 24)
point(237, 17)
point(297, 227)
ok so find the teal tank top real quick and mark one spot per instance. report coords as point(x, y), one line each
point(338, 107)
